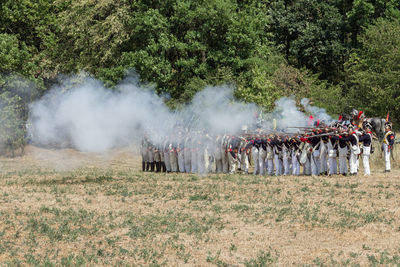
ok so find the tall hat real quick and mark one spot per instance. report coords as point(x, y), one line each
point(388, 125)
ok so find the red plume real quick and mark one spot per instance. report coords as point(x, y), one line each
point(387, 117)
point(359, 114)
point(340, 117)
point(310, 119)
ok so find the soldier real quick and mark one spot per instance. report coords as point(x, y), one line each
point(342, 149)
point(332, 147)
point(180, 153)
point(162, 163)
point(306, 155)
point(233, 152)
point(315, 162)
point(388, 142)
point(323, 155)
point(286, 156)
point(157, 158)
point(277, 151)
point(143, 152)
point(366, 140)
point(166, 154)
point(150, 152)
point(254, 144)
point(262, 155)
point(218, 154)
point(187, 153)
point(294, 144)
point(270, 155)
point(243, 155)
point(225, 156)
point(352, 139)
point(173, 157)
point(194, 147)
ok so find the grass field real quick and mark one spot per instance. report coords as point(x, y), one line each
point(65, 208)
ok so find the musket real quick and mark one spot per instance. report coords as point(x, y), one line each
point(321, 135)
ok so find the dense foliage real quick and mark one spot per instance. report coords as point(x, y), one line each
point(339, 53)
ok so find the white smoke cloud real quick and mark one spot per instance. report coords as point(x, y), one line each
point(318, 113)
point(90, 117)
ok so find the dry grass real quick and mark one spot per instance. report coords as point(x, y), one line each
point(105, 211)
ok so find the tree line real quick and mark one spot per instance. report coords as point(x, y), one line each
point(341, 54)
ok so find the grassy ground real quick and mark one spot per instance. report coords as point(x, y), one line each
point(65, 208)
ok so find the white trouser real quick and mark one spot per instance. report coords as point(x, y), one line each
point(173, 159)
point(181, 161)
point(225, 161)
point(255, 154)
point(244, 161)
point(270, 166)
point(323, 163)
point(194, 162)
point(218, 160)
point(365, 159)
point(307, 165)
point(232, 162)
point(332, 165)
point(353, 162)
point(278, 165)
point(262, 155)
point(286, 162)
point(187, 156)
point(150, 156)
point(295, 164)
point(386, 156)
point(167, 161)
point(343, 160)
point(315, 163)
point(201, 164)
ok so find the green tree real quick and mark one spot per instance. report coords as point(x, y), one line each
point(374, 70)
point(309, 33)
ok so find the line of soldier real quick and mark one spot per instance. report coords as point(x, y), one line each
point(320, 151)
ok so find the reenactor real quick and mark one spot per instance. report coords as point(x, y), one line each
point(353, 140)
point(315, 142)
point(180, 153)
point(332, 148)
point(187, 153)
point(323, 154)
point(387, 146)
point(286, 155)
point(342, 149)
point(254, 144)
point(224, 151)
point(143, 152)
point(277, 152)
point(167, 160)
point(366, 140)
point(270, 155)
point(233, 153)
point(157, 159)
point(218, 154)
point(306, 155)
point(150, 152)
point(294, 144)
point(194, 147)
point(243, 156)
point(262, 155)
point(173, 157)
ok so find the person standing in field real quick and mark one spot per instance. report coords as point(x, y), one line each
point(366, 140)
point(388, 142)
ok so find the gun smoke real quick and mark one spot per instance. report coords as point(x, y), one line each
point(90, 117)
